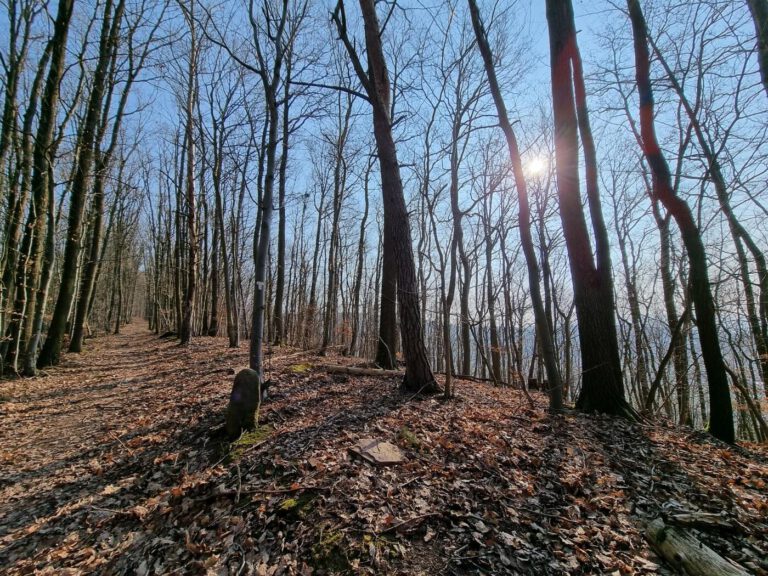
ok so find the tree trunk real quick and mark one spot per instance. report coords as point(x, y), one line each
point(18, 204)
point(339, 184)
point(418, 374)
point(88, 141)
point(33, 247)
point(759, 9)
point(543, 328)
point(279, 322)
point(602, 384)
point(270, 80)
point(185, 331)
point(721, 412)
point(386, 346)
point(353, 345)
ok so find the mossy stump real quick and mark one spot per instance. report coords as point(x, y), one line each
point(243, 402)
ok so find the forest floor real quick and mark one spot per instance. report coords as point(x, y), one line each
point(114, 463)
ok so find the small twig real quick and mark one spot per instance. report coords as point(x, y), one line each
point(242, 564)
point(237, 493)
point(116, 437)
point(411, 481)
point(110, 510)
point(239, 484)
point(416, 519)
point(545, 514)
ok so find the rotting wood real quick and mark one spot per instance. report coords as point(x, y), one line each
point(703, 520)
point(687, 554)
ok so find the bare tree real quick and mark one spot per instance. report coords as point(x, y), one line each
point(29, 281)
point(602, 385)
point(721, 417)
point(375, 81)
point(543, 327)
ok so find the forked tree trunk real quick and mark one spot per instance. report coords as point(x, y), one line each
point(270, 79)
point(602, 384)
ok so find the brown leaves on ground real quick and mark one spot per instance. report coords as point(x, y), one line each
point(112, 464)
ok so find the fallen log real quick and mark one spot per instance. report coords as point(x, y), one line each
point(355, 371)
point(702, 520)
point(687, 554)
point(311, 352)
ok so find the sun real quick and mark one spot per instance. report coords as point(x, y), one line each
point(536, 165)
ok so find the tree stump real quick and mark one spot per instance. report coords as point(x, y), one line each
point(243, 401)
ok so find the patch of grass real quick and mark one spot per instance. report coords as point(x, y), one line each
point(298, 507)
point(409, 438)
point(329, 554)
point(248, 439)
point(300, 368)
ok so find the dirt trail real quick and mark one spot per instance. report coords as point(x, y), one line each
point(86, 443)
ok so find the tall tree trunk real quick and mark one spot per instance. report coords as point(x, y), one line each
point(279, 321)
point(33, 345)
point(386, 346)
point(721, 412)
point(88, 141)
point(270, 80)
point(602, 384)
point(177, 223)
point(311, 311)
point(14, 247)
point(418, 374)
point(543, 328)
point(220, 245)
point(680, 350)
point(353, 345)
point(213, 320)
point(33, 248)
point(185, 331)
point(339, 185)
point(103, 162)
point(261, 255)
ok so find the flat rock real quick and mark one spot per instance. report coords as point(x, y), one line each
point(377, 452)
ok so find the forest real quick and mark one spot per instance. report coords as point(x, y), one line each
point(384, 287)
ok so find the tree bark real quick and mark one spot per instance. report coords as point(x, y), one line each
point(386, 346)
point(278, 320)
point(88, 141)
point(759, 9)
point(353, 345)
